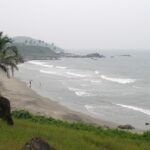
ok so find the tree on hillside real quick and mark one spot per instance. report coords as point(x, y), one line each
point(9, 56)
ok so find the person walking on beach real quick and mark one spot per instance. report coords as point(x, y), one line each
point(30, 83)
point(40, 85)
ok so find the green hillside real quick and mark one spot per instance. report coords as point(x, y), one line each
point(31, 48)
point(36, 52)
point(67, 136)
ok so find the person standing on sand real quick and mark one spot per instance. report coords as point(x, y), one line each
point(40, 85)
point(30, 83)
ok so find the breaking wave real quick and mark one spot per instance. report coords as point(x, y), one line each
point(77, 74)
point(96, 81)
point(49, 72)
point(95, 108)
point(144, 111)
point(96, 72)
point(60, 67)
point(80, 92)
point(89, 107)
point(40, 64)
point(118, 80)
point(35, 62)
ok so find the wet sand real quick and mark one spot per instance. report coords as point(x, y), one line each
point(24, 98)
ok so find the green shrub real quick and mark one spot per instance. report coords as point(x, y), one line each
point(21, 114)
point(67, 136)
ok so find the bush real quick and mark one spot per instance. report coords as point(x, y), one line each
point(22, 114)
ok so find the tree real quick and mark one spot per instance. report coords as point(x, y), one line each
point(9, 56)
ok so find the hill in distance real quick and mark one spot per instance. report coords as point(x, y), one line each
point(31, 48)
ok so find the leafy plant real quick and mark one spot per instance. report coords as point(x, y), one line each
point(9, 56)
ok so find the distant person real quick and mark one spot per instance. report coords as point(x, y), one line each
point(40, 85)
point(30, 83)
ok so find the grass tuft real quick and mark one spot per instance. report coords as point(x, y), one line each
point(67, 136)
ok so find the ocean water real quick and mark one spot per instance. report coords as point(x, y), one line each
point(115, 89)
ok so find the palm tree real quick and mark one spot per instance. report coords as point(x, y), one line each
point(9, 56)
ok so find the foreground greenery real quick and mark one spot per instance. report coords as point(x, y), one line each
point(67, 136)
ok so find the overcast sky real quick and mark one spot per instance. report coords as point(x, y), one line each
point(77, 24)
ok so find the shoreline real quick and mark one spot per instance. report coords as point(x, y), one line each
point(23, 98)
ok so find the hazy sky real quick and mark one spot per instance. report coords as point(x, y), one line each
point(80, 24)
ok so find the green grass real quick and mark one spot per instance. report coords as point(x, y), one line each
point(67, 136)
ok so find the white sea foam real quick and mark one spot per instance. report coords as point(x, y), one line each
point(92, 107)
point(77, 74)
point(73, 89)
point(35, 62)
point(136, 87)
point(95, 81)
point(81, 92)
point(96, 72)
point(84, 94)
point(49, 66)
point(40, 64)
point(118, 80)
point(60, 67)
point(144, 111)
point(49, 72)
point(89, 107)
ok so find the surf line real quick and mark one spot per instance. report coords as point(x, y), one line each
point(144, 111)
point(118, 80)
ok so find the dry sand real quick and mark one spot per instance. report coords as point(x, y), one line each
point(24, 98)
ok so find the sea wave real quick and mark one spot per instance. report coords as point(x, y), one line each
point(81, 92)
point(43, 64)
point(49, 66)
point(144, 111)
point(95, 108)
point(73, 89)
point(118, 80)
point(60, 67)
point(137, 87)
point(49, 72)
point(77, 74)
point(96, 72)
point(92, 107)
point(89, 107)
point(35, 62)
point(95, 81)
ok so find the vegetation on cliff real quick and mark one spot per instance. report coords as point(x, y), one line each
point(9, 55)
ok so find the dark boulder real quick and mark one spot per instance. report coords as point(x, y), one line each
point(146, 123)
point(5, 110)
point(94, 55)
point(37, 143)
point(127, 126)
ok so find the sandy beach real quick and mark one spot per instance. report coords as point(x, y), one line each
point(23, 98)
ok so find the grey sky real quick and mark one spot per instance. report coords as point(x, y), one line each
point(80, 23)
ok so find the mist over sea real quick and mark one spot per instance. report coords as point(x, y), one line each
point(115, 88)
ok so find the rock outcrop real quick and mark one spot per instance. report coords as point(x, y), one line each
point(37, 143)
point(91, 55)
point(127, 126)
point(5, 110)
